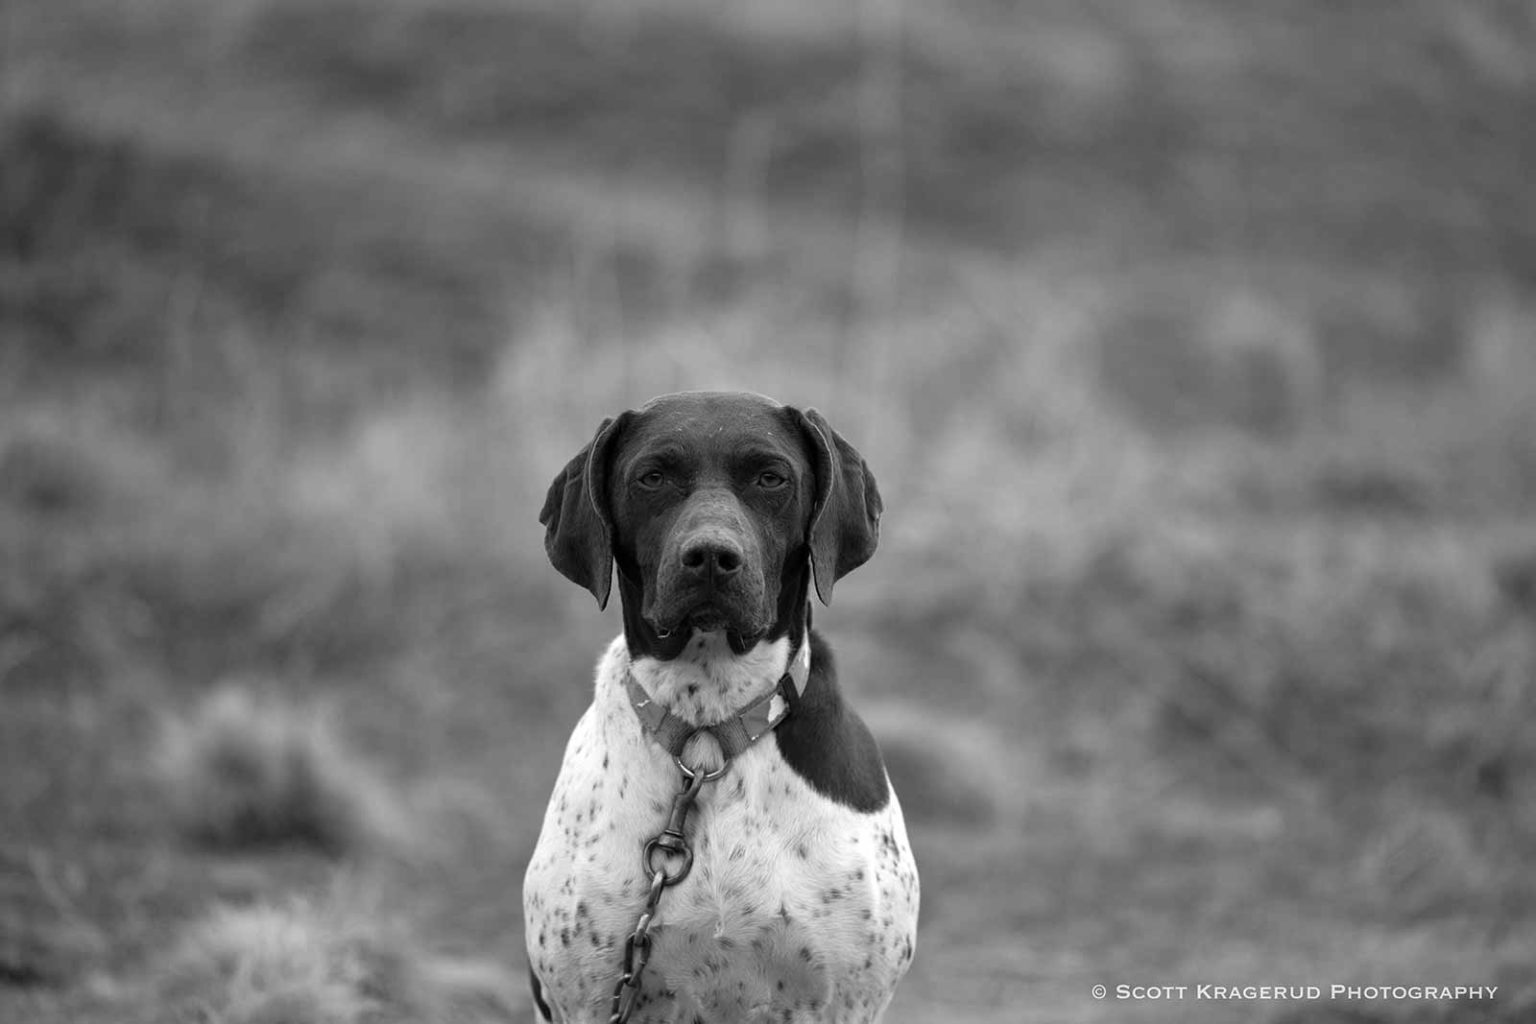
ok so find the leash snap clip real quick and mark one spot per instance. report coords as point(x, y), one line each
point(673, 839)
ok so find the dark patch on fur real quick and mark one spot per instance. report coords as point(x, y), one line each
point(538, 995)
point(828, 745)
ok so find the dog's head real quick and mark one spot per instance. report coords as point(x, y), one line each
point(712, 504)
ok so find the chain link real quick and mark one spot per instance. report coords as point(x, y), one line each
point(671, 842)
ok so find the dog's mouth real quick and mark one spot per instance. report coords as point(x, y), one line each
point(709, 617)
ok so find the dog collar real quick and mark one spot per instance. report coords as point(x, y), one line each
point(740, 730)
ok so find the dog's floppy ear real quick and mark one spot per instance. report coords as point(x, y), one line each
point(578, 532)
point(845, 518)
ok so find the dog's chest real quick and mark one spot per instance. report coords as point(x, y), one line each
point(794, 902)
point(779, 874)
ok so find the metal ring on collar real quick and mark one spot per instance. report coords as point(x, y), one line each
point(689, 773)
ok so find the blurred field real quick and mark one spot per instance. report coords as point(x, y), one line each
point(1193, 345)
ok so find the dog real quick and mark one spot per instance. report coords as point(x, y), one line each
point(723, 843)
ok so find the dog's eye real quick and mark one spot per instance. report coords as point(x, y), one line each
point(651, 479)
point(771, 480)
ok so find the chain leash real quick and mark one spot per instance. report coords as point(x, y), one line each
point(671, 842)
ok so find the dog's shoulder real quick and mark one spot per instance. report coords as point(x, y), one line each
point(827, 743)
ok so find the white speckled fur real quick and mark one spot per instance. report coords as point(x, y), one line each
point(798, 908)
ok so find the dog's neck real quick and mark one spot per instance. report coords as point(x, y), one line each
point(709, 682)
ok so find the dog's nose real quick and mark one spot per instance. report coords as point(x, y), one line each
point(717, 558)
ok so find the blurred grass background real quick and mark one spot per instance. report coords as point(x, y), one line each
point(1191, 344)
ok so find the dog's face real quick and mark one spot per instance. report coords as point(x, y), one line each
point(708, 498)
point(711, 503)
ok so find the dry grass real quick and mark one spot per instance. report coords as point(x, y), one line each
point(247, 769)
point(1200, 636)
point(337, 962)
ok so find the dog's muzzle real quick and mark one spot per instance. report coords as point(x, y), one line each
point(711, 578)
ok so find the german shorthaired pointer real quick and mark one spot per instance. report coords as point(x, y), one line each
point(722, 843)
